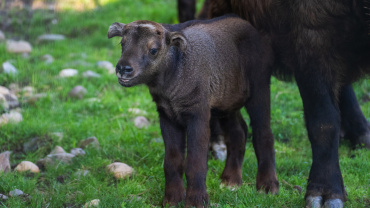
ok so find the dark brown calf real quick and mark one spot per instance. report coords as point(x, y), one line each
point(195, 71)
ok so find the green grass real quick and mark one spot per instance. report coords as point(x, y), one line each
point(110, 121)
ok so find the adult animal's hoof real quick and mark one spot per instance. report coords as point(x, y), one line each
point(318, 202)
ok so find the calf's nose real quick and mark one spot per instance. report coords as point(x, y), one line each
point(124, 69)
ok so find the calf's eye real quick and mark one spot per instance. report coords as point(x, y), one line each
point(153, 51)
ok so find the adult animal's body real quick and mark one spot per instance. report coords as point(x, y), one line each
point(325, 46)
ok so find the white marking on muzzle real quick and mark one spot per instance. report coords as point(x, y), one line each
point(119, 75)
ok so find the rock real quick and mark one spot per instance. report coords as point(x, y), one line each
point(4, 162)
point(80, 173)
point(33, 98)
point(27, 166)
point(107, 65)
point(92, 203)
point(141, 122)
point(3, 197)
point(58, 158)
point(91, 141)
point(14, 88)
point(36, 143)
point(77, 92)
point(12, 117)
point(57, 150)
point(48, 59)
point(58, 135)
point(78, 151)
point(18, 46)
point(4, 90)
point(50, 37)
point(16, 192)
point(120, 170)
point(8, 68)
point(137, 111)
point(12, 101)
point(28, 91)
point(68, 73)
point(4, 105)
point(2, 36)
point(90, 74)
point(219, 150)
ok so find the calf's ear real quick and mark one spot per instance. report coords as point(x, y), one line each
point(177, 39)
point(115, 29)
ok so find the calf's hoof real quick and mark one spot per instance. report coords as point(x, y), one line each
point(364, 140)
point(197, 200)
point(173, 199)
point(271, 186)
point(318, 202)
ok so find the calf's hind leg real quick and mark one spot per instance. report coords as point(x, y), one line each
point(235, 136)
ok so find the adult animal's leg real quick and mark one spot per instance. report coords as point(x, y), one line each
point(198, 134)
point(235, 138)
point(325, 183)
point(174, 142)
point(258, 108)
point(186, 10)
point(354, 124)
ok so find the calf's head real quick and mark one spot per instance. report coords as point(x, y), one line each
point(146, 50)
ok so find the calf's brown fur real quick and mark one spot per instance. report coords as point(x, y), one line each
point(195, 71)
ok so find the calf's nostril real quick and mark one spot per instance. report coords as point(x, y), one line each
point(128, 69)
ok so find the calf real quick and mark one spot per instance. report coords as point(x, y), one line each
point(198, 70)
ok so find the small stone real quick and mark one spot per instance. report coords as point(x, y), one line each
point(141, 122)
point(8, 68)
point(137, 111)
point(28, 91)
point(59, 157)
point(58, 135)
point(2, 36)
point(68, 73)
point(18, 46)
point(77, 92)
point(33, 98)
point(12, 117)
point(4, 162)
point(48, 59)
point(16, 192)
point(106, 65)
point(90, 74)
point(81, 173)
point(57, 150)
point(78, 151)
point(4, 90)
point(50, 37)
point(36, 143)
point(4, 105)
point(3, 197)
point(91, 141)
point(219, 150)
point(12, 101)
point(120, 170)
point(27, 166)
point(14, 88)
point(92, 203)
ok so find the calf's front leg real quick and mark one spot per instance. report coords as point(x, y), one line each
point(174, 142)
point(198, 134)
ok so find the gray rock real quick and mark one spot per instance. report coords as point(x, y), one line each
point(4, 105)
point(107, 65)
point(16, 192)
point(18, 46)
point(219, 150)
point(28, 91)
point(12, 101)
point(2, 36)
point(141, 122)
point(4, 162)
point(48, 59)
point(8, 68)
point(3, 197)
point(53, 159)
point(57, 150)
point(78, 151)
point(14, 88)
point(91, 141)
point(50, 37)
point(36, 143)
point(11, 117)
point(77, 92)
point(90, 74)
point(68, 73)
point(4, 90)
